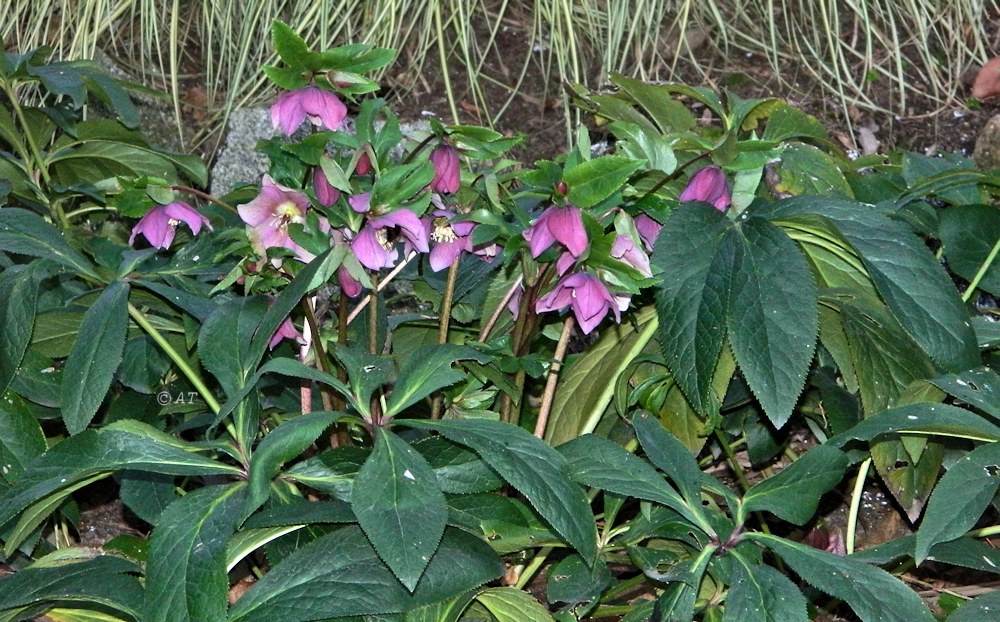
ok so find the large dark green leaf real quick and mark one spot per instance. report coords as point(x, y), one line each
point(968, 233)
point(341, 575)
point(762, 594)
point(95, 356)
point(186, 573)
point(772, 316)
point(72, 576)
point(427, 369)
point(21, 437)
point(873, 594)
point(959, 499)
point(976, 387)
point(459, 471)
point(592, 181)
point(532, 467)
point(512, 605)
point(18, 296)
point(692, 302)
point(794, 493)
point(980, 609)
point(400, 506)
point(925, 418)
point(26, 233)
point(223, 343)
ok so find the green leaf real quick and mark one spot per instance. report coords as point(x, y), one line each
point(592, 181)
point(21, 437)
point(806, 170)
point(18, 297)
point(143, 366)
point(692, 302)
point(760, 593)
point(599, 462)
point(223, 343)
point(425, 370)
point(26, 233)
point(772, 319)
point(281, 444)
point(341, 575)
point(977, 387)
point(75, 575)
point(290, 46)
point(961, 496)
point(186, 572)
point(125, 444)
point(587, 382)
point(873, 594)
point(924, 419)
point(794, 493)
point(56, 331)
point(670, 456)
point(968, 233)
point(508, 604)
point(980, 609)
point(532, 467)
point(147, 494)
point(573, 581)
point(458, 470)
point(95, 356)
point(400, 507)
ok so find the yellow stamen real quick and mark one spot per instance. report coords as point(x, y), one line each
point(442, 232)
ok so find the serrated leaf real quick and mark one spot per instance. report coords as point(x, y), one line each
point(976, 387)
point(147, 494)
point(670, 456)
point(587, 382)
point(341, 575)
point(927, 419)
point(95, 356)
point(508, 604)
point(794, 493)
point(693, 300)
point(400, 507)
point(186, 572)
point(288, 44)
point(459, 471)
point(21, 437)
point(26, 233)
point(959, 499)
point(281, 444)
point(592, 181)
point(762, 594)
point(18, 297)
point(772, 318)
point(980, 609)
point(806, 170)
point(573, 581)
point(968, 233)
point(223, 343)
point(867, 589)
point(425, 370)
point(535, 469)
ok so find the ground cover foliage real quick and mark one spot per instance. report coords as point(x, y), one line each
point(438, 384)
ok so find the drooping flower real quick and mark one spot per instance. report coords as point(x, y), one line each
point(286, 330)
point(624, 250)
point(364, 165)
point(557, 224)
point(326, 194)
point(375, 244)
point(447, 175)
point(709, 186)
point(269, 215)
point(159, 225)
point(321, 107)
point(648, 230)
point(586, 295)
point(450, 239)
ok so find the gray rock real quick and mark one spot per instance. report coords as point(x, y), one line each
point(987, 152)
point(239, 162)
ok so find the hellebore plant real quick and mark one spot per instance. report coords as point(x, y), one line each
point(586, 295)
point(375, 244)
point(269, 214)
point(321, 107)
point(561, 224)
point(447, 172)
point(708, 185)
point(159, 225)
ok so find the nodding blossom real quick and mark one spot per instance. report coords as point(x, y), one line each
point(269, 215)
point(563, 224)
point(624, 250)
point(648, 230)
point(321, 107)
point(447, 174)
point(286, 330)
point(709, 186)
point(159, 225)
point(375, 244)
point(586, 295)
point(449, 239)
point(326, 194)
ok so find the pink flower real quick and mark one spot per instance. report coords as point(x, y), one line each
point(450, 239)
point(326, 194)
point(269, 215)
point(648, 230)
point(322, 107)
point(364, 165)
point(159, 225)
point(375, 244)
point(624, 250)
point(557, 224)
point(586, 295)
point(447, 175)
point(286, 330)
point(708, 185)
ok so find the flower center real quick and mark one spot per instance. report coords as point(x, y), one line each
point(286, 212)
point(443, 233)
point(382, 237)
point(173, 222)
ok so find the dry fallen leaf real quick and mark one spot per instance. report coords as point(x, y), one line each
point(987, 82)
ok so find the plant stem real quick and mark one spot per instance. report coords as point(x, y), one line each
point(204, 195)
point(317, 344)
point(443, 323)
point(550, 382)
point(488, 326)
point(982, 272)
point(852, 515)
point(530, 570)
point(379, 287)
point(373, 318)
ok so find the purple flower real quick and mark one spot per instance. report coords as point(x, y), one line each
point(624, 250)
point(586, 295)
point(557, 224)
point(326, 194)
point(270, 213)
point(159, 225)
point(447, 176)
point(364, 165)
point(648, 230)
point(348, 284)
point(709, 186)
point(286, 330)
point(322, 107)
point(374, 245)
point(450, 239)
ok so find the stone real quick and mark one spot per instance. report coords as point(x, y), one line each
point(987, 151)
